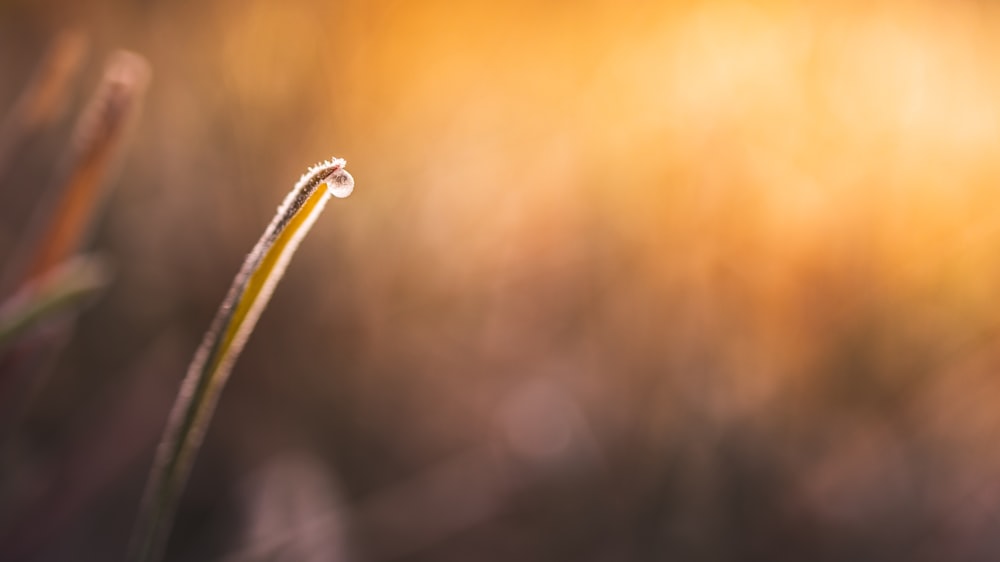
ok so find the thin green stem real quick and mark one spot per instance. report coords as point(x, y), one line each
point(62, 289)
point(249, 294)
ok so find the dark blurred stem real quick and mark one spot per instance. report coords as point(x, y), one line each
point(44, 98)
point(61, 225)
point(63, 222)
point(61, 290)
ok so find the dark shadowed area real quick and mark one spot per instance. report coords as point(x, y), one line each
point(695, 281)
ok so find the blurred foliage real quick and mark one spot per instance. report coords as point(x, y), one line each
point(700, 281)
point(63, 289)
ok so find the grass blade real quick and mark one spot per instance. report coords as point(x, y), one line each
point(60, 290)
point(99, 135)
point(61, 224)
point(44, 98)
point(34, 325)
point(235, 320)
point(97, 141)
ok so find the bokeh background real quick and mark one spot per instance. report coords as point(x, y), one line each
point(619, 281)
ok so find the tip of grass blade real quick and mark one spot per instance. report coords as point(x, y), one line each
point(223, 342)
point(47, 94)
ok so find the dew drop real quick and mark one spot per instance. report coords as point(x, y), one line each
point(340, 183)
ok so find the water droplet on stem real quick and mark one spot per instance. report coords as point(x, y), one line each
point(340, 183)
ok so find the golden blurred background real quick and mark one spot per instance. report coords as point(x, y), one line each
point(619, 281)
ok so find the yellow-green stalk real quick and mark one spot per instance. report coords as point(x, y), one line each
point(249, 294)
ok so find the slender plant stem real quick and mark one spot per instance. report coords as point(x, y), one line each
point(235, 320)
point(62, 289)
point(79, 191)
point(44, 98)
